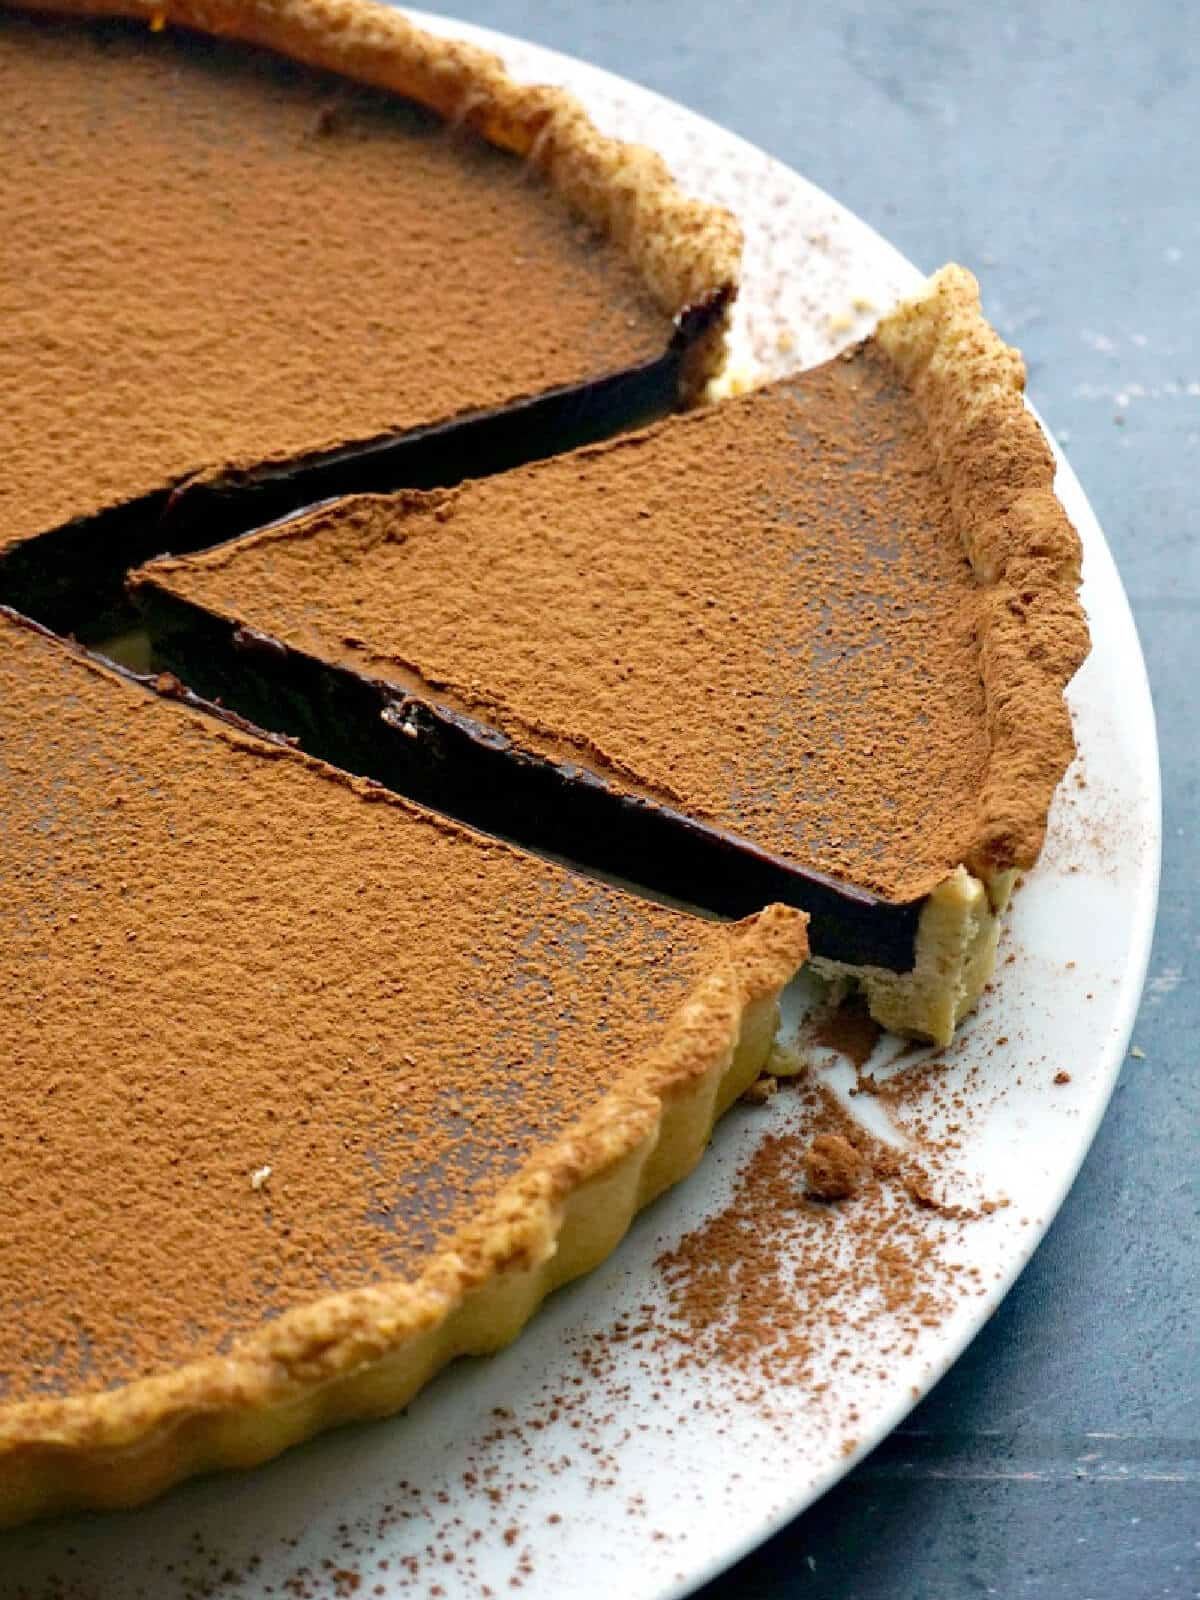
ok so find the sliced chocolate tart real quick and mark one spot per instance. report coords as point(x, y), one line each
point(255, 255)
point(305, 1091)
point(810, 645)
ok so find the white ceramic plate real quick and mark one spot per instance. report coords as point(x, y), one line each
point(647, 1480)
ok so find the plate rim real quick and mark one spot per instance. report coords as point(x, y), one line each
point(1102, 576)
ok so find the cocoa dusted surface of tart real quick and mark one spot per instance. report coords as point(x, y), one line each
point(215, 258)
point(791, 617)
point(760, 615)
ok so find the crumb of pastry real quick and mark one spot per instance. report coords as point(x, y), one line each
point(833, 1168)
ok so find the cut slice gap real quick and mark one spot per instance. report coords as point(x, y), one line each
point(416, 747)
point(71, 579)
point(921, 964)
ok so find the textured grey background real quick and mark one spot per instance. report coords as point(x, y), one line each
point(1055, 149)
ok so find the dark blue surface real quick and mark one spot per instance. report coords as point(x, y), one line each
point(1054, 149)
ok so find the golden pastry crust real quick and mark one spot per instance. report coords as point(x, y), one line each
point(366, 1351)
point(998, 473)
point(687, 251)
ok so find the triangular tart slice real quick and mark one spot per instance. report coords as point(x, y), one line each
point(809, 644)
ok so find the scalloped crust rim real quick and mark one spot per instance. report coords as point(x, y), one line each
point(998, 474)
point(365, 1353)
point(687, 251)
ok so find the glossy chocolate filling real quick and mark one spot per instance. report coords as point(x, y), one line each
point(458, 765)
point(72, 578)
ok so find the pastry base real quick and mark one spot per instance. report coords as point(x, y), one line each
point(956, 952)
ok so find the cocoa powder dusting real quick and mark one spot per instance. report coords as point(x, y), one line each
point(761, 613)
point(784, 1301)
point(849, 1028)
point(220, 959)
point(275, 261)
point(760, 1287)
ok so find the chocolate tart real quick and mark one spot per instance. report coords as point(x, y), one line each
point(809, 644)
point(305, 1090)
point(256, 255)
